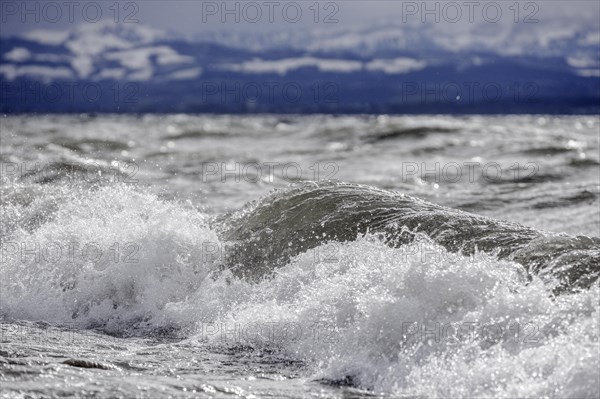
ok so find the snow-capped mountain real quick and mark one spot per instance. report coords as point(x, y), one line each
point(95, 52)
point(382, 68)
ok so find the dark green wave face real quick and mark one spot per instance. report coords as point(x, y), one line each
point(268, 232)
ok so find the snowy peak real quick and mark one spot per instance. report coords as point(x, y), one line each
point(95, 51)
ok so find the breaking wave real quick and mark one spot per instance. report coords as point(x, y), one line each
point(366, 287)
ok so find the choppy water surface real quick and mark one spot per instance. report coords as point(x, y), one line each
point(398, 257)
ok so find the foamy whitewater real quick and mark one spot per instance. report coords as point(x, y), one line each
point(300, 256)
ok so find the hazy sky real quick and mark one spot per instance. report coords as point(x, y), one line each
point(196, 17)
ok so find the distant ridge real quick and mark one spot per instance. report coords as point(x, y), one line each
point(132, 68)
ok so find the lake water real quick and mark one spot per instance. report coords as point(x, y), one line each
point(414, 256)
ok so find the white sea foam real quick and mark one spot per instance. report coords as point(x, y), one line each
point(381, 316)
point(112, 257)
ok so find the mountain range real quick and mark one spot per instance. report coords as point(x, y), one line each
point(381, 68)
